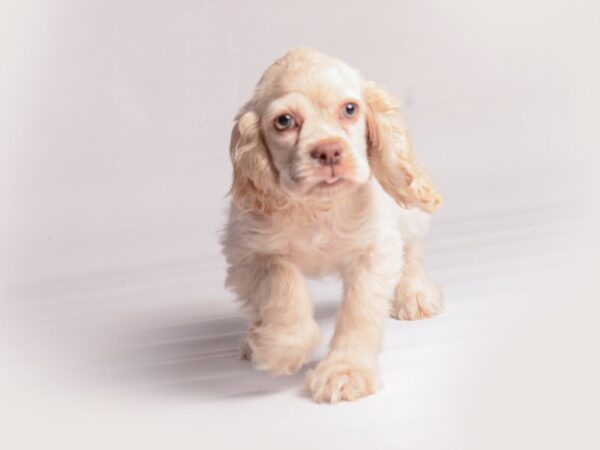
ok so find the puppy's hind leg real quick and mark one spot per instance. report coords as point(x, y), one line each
point(415, 297)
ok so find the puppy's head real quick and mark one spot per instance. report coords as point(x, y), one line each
point(314, 129)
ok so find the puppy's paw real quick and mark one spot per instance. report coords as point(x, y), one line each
point(417, 299)
point(281, 350)
point(245, 350)
point(342, 378)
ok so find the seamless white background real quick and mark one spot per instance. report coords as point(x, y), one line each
point(114, 126)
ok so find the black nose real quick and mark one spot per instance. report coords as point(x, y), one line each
point(327, 154)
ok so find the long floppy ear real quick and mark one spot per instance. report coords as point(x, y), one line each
point(254, 177)
point(390, 153)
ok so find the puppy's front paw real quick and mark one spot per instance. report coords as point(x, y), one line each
point(340, 377)
point(245, 350)
point(281, 350)
point(417, 299)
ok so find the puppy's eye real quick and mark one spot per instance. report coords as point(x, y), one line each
point(350, 109)
point(284, 122)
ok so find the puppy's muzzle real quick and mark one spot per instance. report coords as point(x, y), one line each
point(327, 154)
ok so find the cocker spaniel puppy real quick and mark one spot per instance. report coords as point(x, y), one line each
point(324, 181)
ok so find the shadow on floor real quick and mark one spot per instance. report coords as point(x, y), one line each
point(193, 360)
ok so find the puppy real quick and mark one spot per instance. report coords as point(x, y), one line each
point(324, 181)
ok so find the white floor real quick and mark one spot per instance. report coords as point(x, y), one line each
point(115, 328)
point(149, 356)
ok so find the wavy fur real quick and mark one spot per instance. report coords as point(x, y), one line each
point(293, 216)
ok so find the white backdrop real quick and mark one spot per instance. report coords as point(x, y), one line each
point(114, 127)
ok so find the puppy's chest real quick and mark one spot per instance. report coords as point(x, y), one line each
point(317, 248)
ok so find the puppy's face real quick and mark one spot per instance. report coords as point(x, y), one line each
point(314, 126)
point(307, 132)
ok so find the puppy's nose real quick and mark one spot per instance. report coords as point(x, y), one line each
point(327, 154)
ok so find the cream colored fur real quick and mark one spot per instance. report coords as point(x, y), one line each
point(292, 217)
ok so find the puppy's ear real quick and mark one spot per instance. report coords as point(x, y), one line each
point(390, 153)
point(254, 177)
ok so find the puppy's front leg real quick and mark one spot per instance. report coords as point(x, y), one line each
point(351, 370)
point(282, 331)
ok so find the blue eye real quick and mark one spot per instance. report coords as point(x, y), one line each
point(350, 109)
point(284, 121)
